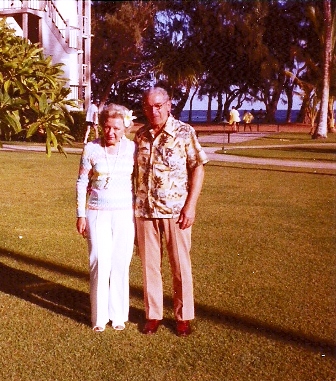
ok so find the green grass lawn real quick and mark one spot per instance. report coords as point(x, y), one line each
point(285, 138)
point(264, 272)
point(289, 146)
point(327, 154)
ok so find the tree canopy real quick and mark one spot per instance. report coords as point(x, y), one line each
point(231, 50)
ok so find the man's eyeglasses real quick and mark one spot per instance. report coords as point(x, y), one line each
point(156, 106)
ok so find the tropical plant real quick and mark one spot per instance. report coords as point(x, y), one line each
point(33, 92)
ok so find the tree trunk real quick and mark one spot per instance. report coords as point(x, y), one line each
point(182, 102)
point(331, 116)
point(302, 116)
point(218, 116)
point(190, 104)
point(272, 104)
point(321, 129)
point(289, 93)
point(209, 109)
point(107, 89)
point(271, 109)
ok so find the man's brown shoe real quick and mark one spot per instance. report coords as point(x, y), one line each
point(183, 328)
point(151, 326)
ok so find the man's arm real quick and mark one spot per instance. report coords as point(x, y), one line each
point(188, 212)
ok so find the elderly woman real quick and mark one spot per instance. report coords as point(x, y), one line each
point(105, 216)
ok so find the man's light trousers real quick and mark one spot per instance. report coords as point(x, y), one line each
point(178, 243)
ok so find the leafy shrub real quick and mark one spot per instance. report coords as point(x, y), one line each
point(33, 93)
point(78, 128)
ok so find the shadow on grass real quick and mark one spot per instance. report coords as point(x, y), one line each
point(75, 304)
point(52, 296)
point(260, 328)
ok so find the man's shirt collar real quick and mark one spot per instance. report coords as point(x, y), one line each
point(168, 128)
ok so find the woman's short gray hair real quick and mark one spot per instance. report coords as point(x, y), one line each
point(113, 110)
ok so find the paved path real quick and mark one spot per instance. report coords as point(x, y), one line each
point(219, 139)
point(35, 148)
point(241, 137)
point(210, 151)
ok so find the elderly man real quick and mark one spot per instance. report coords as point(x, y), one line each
point(170, 174)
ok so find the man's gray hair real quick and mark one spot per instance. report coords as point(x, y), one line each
point(158, 90)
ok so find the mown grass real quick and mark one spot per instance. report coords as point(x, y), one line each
point(275, 139)
point(285, 138)
point(289, 146)
point(327, 154)
point(264, 272)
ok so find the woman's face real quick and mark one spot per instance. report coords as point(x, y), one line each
point(113, 131)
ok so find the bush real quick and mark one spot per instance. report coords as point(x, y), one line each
point(34, 102)
point(77, 130)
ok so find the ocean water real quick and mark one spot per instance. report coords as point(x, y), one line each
point(200, 115)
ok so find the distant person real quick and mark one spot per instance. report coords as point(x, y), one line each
point(234, 118)
point(260, 115)
point(247, 119)
point(105, 216)
point(331, 117)
point(91, 121)
point(170, 171)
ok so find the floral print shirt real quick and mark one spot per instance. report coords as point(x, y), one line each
point(164, 163)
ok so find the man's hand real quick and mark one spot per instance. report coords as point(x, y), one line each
point(186, 218)
point(188, 212)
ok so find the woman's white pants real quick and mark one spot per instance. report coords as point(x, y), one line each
point(110, 241)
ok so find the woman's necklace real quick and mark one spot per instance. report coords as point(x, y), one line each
point(109, 174)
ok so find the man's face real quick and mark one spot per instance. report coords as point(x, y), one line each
point(157, 109)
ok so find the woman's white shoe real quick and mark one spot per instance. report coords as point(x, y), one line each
point(98, 329)
point(119, 327)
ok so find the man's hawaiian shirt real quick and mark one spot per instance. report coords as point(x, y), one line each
point(163, 167)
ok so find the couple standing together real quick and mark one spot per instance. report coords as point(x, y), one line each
point(153, 183)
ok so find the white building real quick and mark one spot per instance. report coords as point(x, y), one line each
point(63, 29)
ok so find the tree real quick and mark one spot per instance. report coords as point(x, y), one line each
point(275, 56)
point(33, 95)
point(321, 130)
point(176, 61)
point(213, 36)
point(229, 49)
point(240, 57)
point(312, 56)
point(118, 55)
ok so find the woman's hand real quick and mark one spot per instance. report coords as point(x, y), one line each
point(81, 226)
